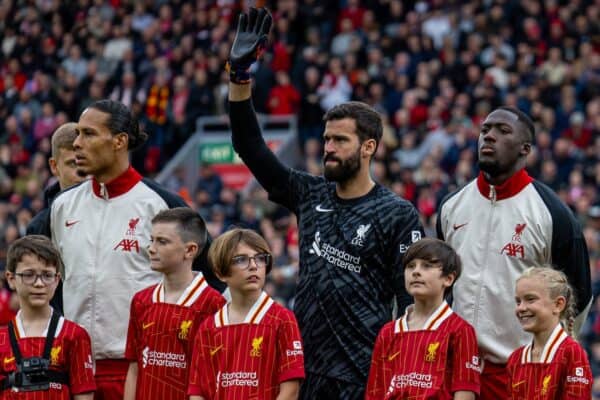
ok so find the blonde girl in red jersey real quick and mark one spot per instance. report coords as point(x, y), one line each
point(553, 366)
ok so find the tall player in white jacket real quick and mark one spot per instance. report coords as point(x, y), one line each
point(102, 230)
point(500, 224)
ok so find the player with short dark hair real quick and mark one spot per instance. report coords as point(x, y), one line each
point(251, 348)
point(430, 352)
point(500, 224)
point(45, 356)
point(352, 230)
point(165, 317)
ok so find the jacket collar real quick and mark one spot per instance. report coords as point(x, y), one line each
point(121, 184)
point(511, 187)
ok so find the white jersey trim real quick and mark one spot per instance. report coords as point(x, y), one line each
point(21, 329)
point(255, 315)
point(556, 338)
point(435, 320)
point(191, 293)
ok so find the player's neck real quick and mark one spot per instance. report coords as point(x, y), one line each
point(241, 303)
point(115, 170)
point(540, 339)
point(358, 186)
point(35, 319)
point(176, 282)
point(422, 310)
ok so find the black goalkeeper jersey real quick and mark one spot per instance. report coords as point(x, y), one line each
point(350, 256)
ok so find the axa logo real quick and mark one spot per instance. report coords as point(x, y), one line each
point(130, 243)
point(432, 349)
point(54, 355)
point(256, 347)
point(514, 248)
point(361, 233)
point(184, 329)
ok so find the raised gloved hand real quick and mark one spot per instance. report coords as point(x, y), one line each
point(249, 43)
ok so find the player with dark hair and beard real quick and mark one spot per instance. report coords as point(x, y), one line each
point(352, 231)
point(500, 224)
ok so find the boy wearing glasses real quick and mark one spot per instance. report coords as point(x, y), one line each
point(42, 355)
point(251, 348)
point(164, 317)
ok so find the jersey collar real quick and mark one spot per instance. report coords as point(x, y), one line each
point(511, 187)
point(254, 316)
point(121, 184)
point(189, 295)
point(556, 338)
point(20, 330)
point(433, 322)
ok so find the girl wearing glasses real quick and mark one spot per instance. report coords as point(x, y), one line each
point(251, 348)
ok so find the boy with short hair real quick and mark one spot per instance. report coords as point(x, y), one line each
point(251, 348)
point(44, 356)
point(430, 352)
point(164, 317)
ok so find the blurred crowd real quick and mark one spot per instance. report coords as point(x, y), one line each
point(434, 69)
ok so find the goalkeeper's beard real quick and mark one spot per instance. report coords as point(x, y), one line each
point(344, 170)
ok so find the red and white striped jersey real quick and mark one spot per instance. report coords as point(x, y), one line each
point(160, 336)
point(71, 353)
point(248, 360)
point(563, 371)
point(431, 363)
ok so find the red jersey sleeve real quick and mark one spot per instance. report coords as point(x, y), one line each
point(291, 350)
point(466, 364)
point(132, 332)
point(377, 385)
point(200, 378)
point(81, 366)
point(579, 375)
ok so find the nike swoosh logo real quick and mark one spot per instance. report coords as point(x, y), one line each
point(321, 209)
point(148, 325)
point(456, 227)
point(70, 223)
point(214, 351)
point(392, 356)
point(514, 385)
point(7, 360)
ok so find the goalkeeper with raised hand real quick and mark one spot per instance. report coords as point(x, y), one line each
point(353, 231)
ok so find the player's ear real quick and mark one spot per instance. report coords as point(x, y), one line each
point(191, 250)
point(368, 148)
point(525, 149)
point(120, 140)
point(559, 305)
point(52, 165)
point(449, 279)
point(10, 279)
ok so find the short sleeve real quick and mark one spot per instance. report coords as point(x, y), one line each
point(466, 364)
point(131, 347)
point(291, 350)
point(80, 364)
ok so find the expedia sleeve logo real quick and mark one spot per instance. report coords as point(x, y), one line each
point(297, 349)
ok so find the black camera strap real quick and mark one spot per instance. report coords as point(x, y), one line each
point(49, 338)
point(15, 379)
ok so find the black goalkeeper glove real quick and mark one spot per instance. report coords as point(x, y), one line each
point(249, 43)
